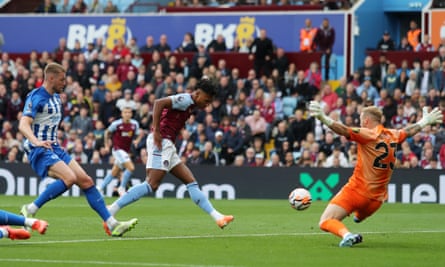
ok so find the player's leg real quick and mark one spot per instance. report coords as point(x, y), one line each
point(129, 169)
point(155, 169)
point(183, 173)
point(96, 202)
point(154, 178)
point(8, 218)
point(115, 172)
point(65, 179)
point(331, 220)
point(367, 210)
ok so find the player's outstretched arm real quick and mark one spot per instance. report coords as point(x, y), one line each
point(316, 111)
point(428, 118)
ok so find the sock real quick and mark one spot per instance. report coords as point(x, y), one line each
point(97, 202)
point(125, 178)
point(4, 232)
point(111, 222)
point(334, 226)
point(135, 193)
point(8, 218)
point(202, 201)
point(53, 190)
point(107, 180)
point(32, 208)
point(29, 222)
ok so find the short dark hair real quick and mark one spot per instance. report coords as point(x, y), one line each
point(207, 86)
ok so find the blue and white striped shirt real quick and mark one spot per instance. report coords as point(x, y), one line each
point(46, 110)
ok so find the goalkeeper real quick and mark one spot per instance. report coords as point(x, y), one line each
point(366, 189)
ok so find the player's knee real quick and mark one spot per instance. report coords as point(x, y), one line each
point(69, 179)
point(85, 181)
point(130, 168)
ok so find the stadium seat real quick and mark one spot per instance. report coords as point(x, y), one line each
point(289, 105)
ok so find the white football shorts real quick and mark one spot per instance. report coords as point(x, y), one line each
point(166, 159)
point(120, 157)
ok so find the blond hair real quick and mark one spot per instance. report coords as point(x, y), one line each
point(53, 68)
point(374, 113)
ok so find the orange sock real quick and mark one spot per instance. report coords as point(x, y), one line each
point(334, 226)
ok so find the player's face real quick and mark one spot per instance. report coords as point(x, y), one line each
point(127, 114)
point(59, 81)
point(203, 99)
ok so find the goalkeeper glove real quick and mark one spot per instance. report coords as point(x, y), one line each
point(316, 110)
point(433, 117)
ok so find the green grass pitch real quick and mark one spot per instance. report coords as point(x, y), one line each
point(176, 233)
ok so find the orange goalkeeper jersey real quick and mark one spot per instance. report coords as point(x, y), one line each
point(376, 159)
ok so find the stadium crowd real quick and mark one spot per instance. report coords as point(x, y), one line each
point(257, 120)
point(110, 6)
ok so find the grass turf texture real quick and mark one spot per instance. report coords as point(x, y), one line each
point(265, 233)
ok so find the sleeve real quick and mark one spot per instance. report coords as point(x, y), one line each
point(181, 101)
point(31, 107)
point(361, 135)
point(112, 127)
point(401, 135)
point(137, 131)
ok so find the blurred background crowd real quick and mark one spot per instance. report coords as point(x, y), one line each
point(257, 119)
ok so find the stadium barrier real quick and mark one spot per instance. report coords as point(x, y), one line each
point(406, 186)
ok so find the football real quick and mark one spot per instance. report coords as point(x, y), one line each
point(300, 199)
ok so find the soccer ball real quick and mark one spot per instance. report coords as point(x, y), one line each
point(300, 199)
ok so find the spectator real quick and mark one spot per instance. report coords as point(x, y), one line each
point(163, 45)
point(261, 52)
point(281, 62)
point(369, 90)
point(405, 45)
point(65, 7)
point(110, 7)
point(424, 78)
point(324, 41)
point(46, 7)
point(274, 161)
point(284, 134)
point(133, 46)
point(232, 143)
point(61, 48)
point(120, 49)
point(79, 7)
point(259, 160)
point(425, 45)
point(78, 154)
point(337, 158)
point(14, 106)
point(257, 124)
point(195, 157)
point(329, 97)
point(386, 43)
point(83, 123)
point(149, 46)
point(96, 7)
point(313, 77)
point(391, 82)
point(239, 161)
point(307, 36)
point(217, 45)
point(413, 34)
point(188, 44)
point(209, 157)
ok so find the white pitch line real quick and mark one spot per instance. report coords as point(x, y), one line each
point(208, 236)
point(111, 263)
